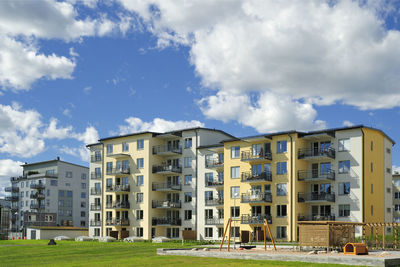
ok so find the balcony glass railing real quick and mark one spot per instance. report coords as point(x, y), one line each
point(311, 153)
point(166, 169)
point(316, 197)
point(255, 219)
point(214, 202)
point(166, 149)
point(117, 221)
point(214, 221)
point(166, 187)
point(166, 204)
point(118, 188)
point(316, 175)
point(309, 217)
point(256, 198)
point(255, 155)
point(116, 171)
point(118, 205)
point(166, 221)
point(248, 177)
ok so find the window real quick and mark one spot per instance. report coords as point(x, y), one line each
point(235, 192)
point(281, 210)
point(139, 214)
point(139, 197)
point(83, 176)
point(83, 195)
point(344, 144)
point(281, 232)
point(388, 190)
point(397, 195)
point(83, 214)
point(83, 223)
point(208, 195)
point(220, 232)
point(125, 146)
point(344, 188)
point(372, 145)
point(372, 210)
point(235, 152)
point(235, 172)
point(372, 188)
point(109, 149)
point(325, 168)
point(60, 212)
point(97, 172)
point(235, 212)
point(188, 162)
point(188, 214)
point(344, 210)
point(188, 179)
point(281, 147)
point(281, 190)
point(54, 182)
point(97, 155)
point(83, 185)
point(372, 166)
point(139, 231)
point(60, 193)
point(68, 212)
point(140, 163)
point(22, 184)
point(389, 170)
point(388, 210)
point(48, 192)
point(397, 182)
point(188, 142)
point(83, 204)
point(281, 168)
point(67, 184)
point(139, 180)
point(68, 203)
point(388, 150)
point(188, 196)
point(68, 174)
point(396, 207)
point(109, 167)
point(344, 166)
point(235, 231)
point(208, 231)
point(140, 144)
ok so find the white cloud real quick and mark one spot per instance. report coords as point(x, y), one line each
point(87, 90)
point(8, 168)
point(135, 124)
point(396, 169)
point(342, 53)
point(348, 123)
point(55, 132)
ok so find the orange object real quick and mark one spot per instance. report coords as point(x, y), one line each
point(355, 249)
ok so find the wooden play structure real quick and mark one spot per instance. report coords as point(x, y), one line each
point(228, 228)
point(355, 249)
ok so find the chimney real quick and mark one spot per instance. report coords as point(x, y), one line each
point(58, 158)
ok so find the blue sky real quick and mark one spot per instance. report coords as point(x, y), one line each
point(74, 71)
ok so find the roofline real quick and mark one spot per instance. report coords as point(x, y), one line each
point(54, 160)
point(261, 135)
point(94, 144)
point(126, 135)
point(211, 146)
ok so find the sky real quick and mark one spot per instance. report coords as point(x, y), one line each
point(73, 71)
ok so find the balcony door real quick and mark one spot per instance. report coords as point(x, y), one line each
point(173, 214)
point(173, 180)
point(314, 170)
point(209, 213)
point(325, 210)
point(267, 148)
point(255, 211)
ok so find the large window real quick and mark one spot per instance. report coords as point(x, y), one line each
point(188, 142)
point(281, 190)
point(125, 146)
point(139, 197)
point(344, 188)
point(140, 144)
point(188, 180)
point(281, 146)
point(188, 196)
point(344, 144)
point(139, 231)
point(208, 232)
point(109, 166)
point(139, 214)
point(256, 150)
point(256, 169)
point(324, 168)
point(281, 232)
point(109, 149)
point(281, 210)
point(344, 166)
point(344, 210)
point(139, 180)
point(281, 168)
point(235, 192)
point(68, 174)
point(188, 162)
point(140, 163)
point(188, 214)
point(209, 177)
point(235, 172)
point(235, 152)
point(235, 212)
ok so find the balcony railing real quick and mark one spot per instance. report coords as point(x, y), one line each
point(249, 177)
point(256, 198)
point(37, 196)
point(36, 206)
point(115, 171)
point(214, 183)
point(94, 158)
point(255, 155)
point(312, 175)
point(94, 191)
point(95, 223)
point(166, 204)
point(12, 189)
point(312, 153)
point(95, 175)
point(215, 163)
point(118, 188)
point(214, 202)
point(214, 221)
point(95, 207)
point(255, 219)
point(166, 169)
point(12, 198)
point(166, 221)
point(326, 217)
point(166, 149)
point(166, 187)
point(38, 186)
point(117, 221)
point(118, 205)
point(316, 197)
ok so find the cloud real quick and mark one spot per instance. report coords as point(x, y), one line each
point(135, 124)
point(87, 90)
point(342, 53)
point(8, 168)
point(348, 123)
point(396, 169)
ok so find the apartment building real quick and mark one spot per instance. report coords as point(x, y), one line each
point(149, 182)
point(5, 218)
point(287, 177)
point(396, 197)
point(49, 193)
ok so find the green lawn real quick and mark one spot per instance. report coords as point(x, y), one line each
point(71, 253)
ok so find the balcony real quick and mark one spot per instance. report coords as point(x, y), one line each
point(328, 217)
point(94, 191)
point(167, 169)
point(214, 183)
point(11, 198)
point(249, 177)
point(47, 174)
point(14, 207)
point(95, 175)
point(94, 223)
point(117, 171)
point(214, 202)
point(214, 164)
point(12, 189)
point(316, 153)
point(117, 222)
point(94, 207)
point(118, 205)
point(316, 197)
point(118, 188)
point(38, 186)
point(256, 219)
point(315, 175)
point(214, 221)
point(166, 150)
point(37, 196)
point(166, 187)
point(166, 221)
point(166, 204)
point(36, 206)
point(256, 198)
point(255, 155)
point(94, 158)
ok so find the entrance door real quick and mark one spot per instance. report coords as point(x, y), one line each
point(33, 234)
point(245, 236)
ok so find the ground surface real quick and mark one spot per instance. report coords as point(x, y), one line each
point(71, 253)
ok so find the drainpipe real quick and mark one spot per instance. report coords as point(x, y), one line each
point(197, 178)
point(291, 187)
point(362, 177)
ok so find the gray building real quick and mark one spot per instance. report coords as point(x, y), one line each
point(5, 218)
point(49, 193)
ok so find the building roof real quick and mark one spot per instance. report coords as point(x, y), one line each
point(58, 228)
point(50, 161)
point(211, 146)
point(94, 144)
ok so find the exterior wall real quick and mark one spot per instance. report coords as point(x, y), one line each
point(49, 234)
point(388, 181)
point(396, 198)
point(95, 224)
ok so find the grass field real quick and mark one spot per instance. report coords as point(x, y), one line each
point(71, 253)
